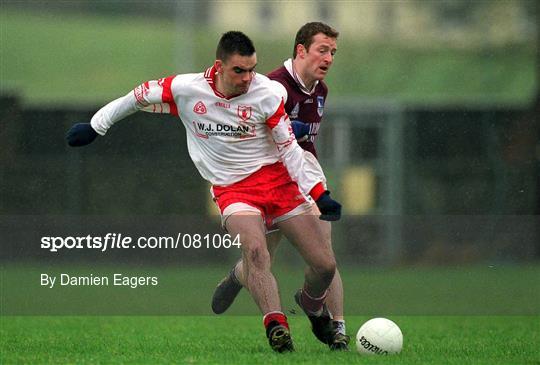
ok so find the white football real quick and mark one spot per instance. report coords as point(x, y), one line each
point(379, 336)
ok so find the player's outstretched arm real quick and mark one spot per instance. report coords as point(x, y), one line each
point(82, 134)
point(152, 96)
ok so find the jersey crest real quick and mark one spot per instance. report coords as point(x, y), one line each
point(199, 108)
point(244, 112)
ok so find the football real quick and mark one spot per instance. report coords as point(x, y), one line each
point(379, 336)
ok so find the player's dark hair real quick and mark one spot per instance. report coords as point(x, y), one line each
point(305, 34)
point(234, 42)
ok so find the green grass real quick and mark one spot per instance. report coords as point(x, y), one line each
point(186, 290)
point(448, 315)
point(65, 58)
point(240, 340)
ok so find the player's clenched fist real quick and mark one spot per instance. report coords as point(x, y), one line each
point(81, 134)
point(330, 209)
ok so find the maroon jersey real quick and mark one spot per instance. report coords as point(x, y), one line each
point(307, 108)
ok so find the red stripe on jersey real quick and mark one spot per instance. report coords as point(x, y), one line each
point(274, 119)
point(167, 96)
point(209, 75)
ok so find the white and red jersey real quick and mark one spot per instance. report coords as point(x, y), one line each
point(228, 138)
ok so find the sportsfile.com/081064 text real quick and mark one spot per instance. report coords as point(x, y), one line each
point(120, 241)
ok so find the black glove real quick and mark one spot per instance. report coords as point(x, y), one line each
point(300, 129)
point(330, 209)
point(81, 134)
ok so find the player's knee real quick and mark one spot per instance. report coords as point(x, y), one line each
point(326, 269)
point(257, 255)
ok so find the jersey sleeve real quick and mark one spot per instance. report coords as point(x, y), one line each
point(152, 96)
point(302, 166)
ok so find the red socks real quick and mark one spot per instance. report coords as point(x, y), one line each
point(275, 316)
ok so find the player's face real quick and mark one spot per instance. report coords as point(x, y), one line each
point(320, 56)
point(236, 73)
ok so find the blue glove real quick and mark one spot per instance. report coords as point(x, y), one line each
point(81, 134)
point(330, 209)
point(300, 129)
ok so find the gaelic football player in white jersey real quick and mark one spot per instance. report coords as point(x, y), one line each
point(241, 141)
point(302, 76)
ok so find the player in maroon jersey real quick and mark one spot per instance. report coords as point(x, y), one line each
point(302, 76)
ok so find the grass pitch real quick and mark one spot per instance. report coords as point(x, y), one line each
point(494, 318)
point(241, 340)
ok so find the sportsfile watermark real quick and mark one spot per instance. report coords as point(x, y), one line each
point(170, 265)
point(111, 241)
